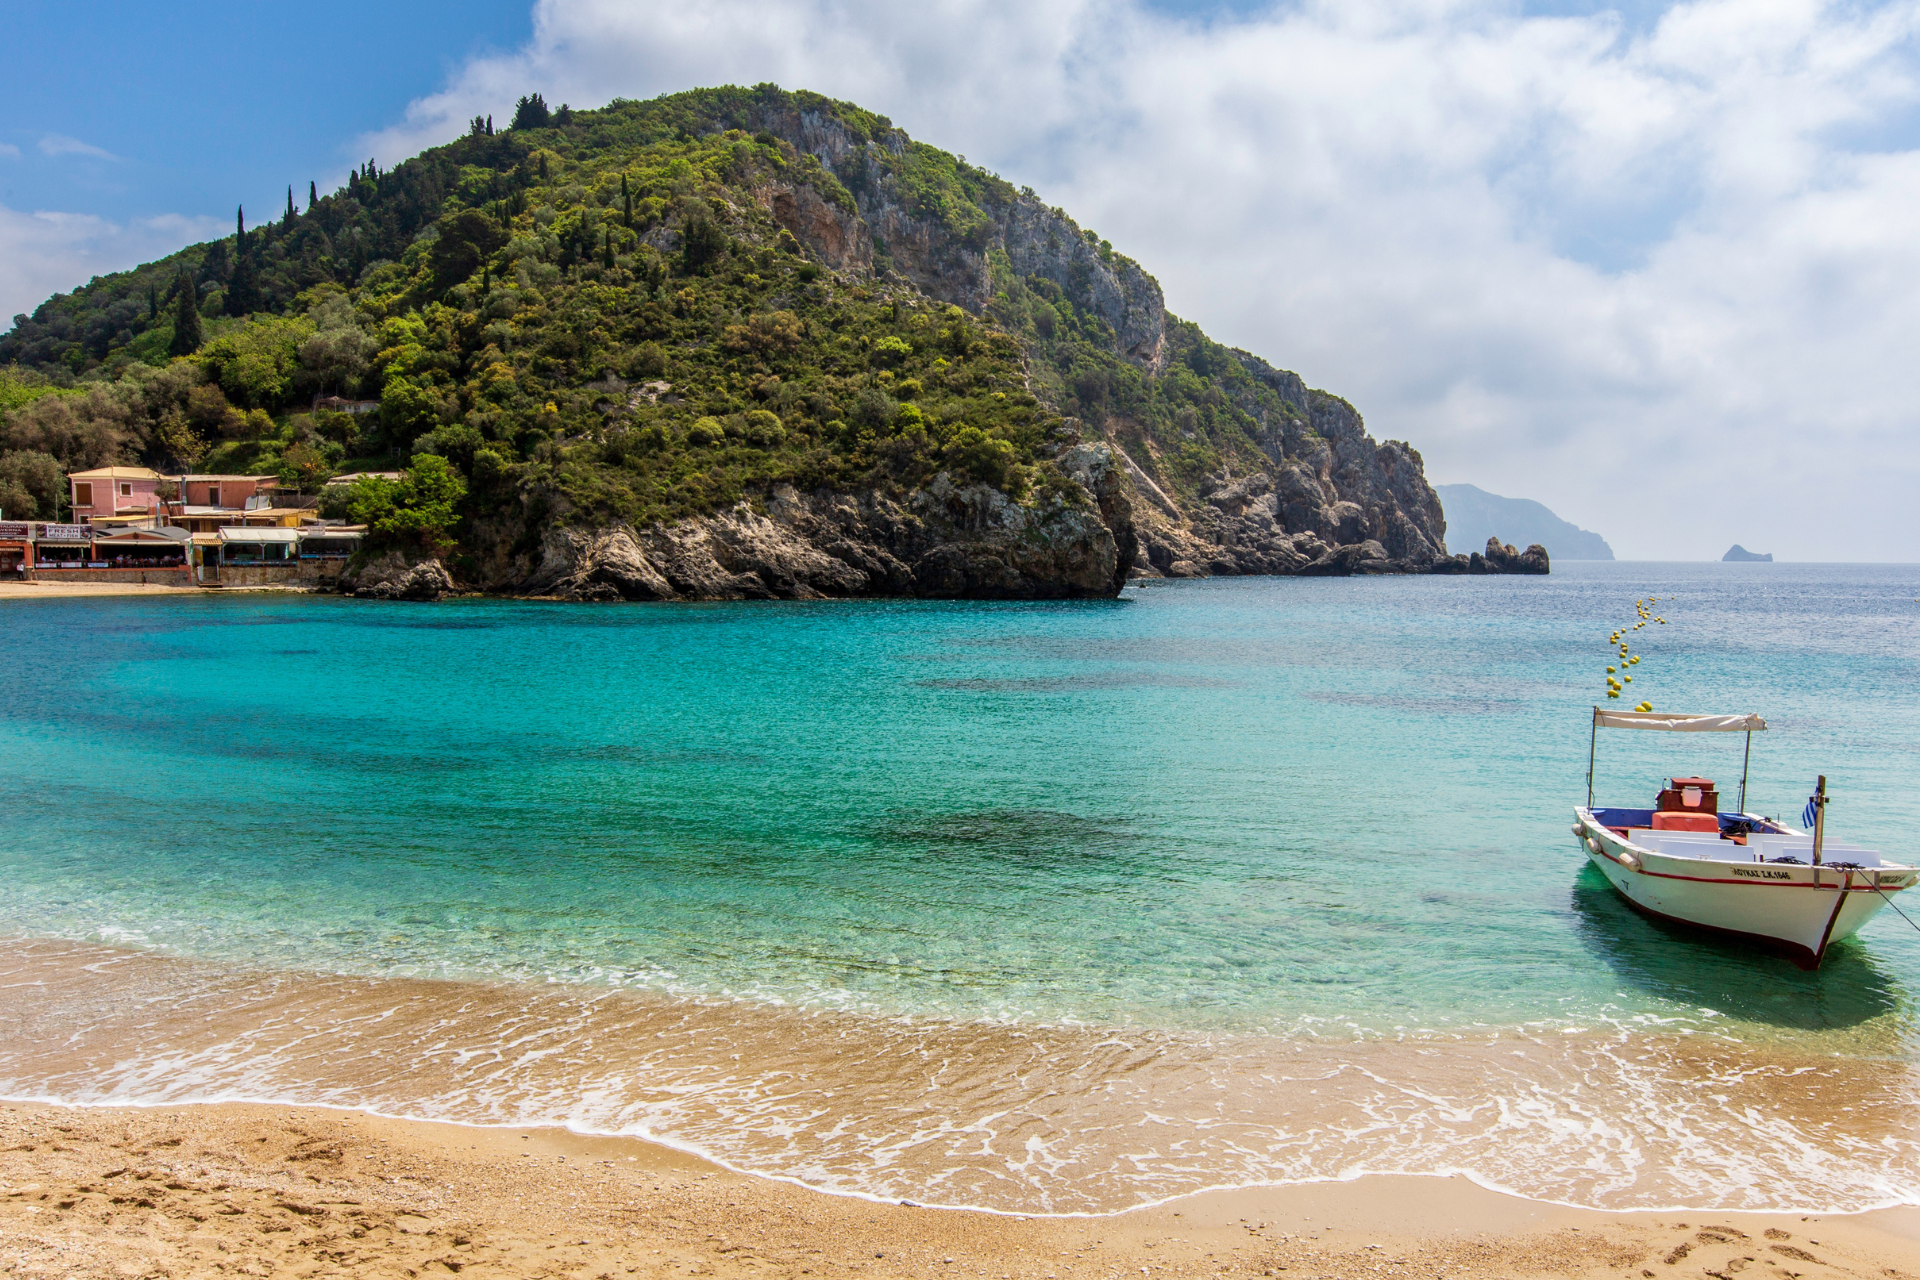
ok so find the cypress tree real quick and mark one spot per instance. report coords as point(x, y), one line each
point(186, 318)
point(153, 303)
point(289, 218)
point(313, 195)
point(240, 290)
point(606, 255)
point(626, 198)
point(489, 124)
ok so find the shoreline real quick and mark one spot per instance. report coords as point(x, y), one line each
point(227, 1187)
point(1015, 1120)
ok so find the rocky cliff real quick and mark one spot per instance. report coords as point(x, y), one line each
point(944, 540)
point(1306, 491)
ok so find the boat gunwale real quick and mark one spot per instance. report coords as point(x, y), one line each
point(1800, 875)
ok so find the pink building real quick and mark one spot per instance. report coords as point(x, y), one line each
point(228, 492)
point(114, 491)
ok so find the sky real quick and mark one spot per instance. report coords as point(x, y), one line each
point(1652, 264)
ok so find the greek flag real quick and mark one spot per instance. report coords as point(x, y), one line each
point(1806, 819)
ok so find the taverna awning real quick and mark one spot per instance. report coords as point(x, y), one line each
point(1675, 722)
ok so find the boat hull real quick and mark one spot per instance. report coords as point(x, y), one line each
point(1799, 911)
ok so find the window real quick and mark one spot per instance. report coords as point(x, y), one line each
point(213, 495)
point(126, 490)
point(82, 494)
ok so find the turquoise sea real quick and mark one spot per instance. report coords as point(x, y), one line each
point(1043, 907)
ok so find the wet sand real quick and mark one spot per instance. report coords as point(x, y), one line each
point(245, 1189)
point(14, 590)
point(1015, 1118)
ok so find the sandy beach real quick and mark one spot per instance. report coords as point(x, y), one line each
point(10, 590)
point(14, 590)
point(258, 1190)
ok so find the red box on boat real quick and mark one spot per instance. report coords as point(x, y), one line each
point(1686, 822)
point(1689, 795)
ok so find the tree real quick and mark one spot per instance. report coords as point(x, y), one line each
point(466, 238)
point(31, 485)
point(702, 241)
point(418, 509)
point(305, 467)
point(407, 411)
point(313, 195)
point(974, 455)
point(179, 441)
point(255, 365)
point(290, 212)
point(531, 113)
point(187, 334)
point(241, 290)
point(335, 358)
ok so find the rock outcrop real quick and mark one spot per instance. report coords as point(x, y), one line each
point(955, 265)
point(1334, 503)
point(1499, 557)
point(1739, 554)
point(395, 576)
point(944, 541)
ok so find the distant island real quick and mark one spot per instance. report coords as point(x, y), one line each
point(1473, 515)
point(1739, 553)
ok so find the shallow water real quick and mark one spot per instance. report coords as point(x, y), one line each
point(1043, 907)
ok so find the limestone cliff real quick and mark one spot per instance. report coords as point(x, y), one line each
point(1306, 491)
point(944, 540)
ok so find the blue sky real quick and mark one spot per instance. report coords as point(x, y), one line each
point(1592, 254)
point(230, 106)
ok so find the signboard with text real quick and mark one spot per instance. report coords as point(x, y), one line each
point(13, 532)
point(65, 533)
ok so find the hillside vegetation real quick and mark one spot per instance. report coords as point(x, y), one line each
point(654, 312)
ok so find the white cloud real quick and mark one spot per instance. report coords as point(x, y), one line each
point(55, 144)
point(41, 253)
point(10, 151)
point(1661, 278)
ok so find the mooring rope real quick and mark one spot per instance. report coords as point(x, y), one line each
point(1896, 910)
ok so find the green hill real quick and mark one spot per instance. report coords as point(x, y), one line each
point(727, 342)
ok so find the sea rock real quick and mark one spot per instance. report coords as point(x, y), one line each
point(396, 576)
point(1740, 554)
point(1502, 558)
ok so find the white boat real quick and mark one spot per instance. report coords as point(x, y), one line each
point(1733, 873)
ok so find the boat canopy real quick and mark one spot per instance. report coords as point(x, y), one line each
point(1674, 722)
